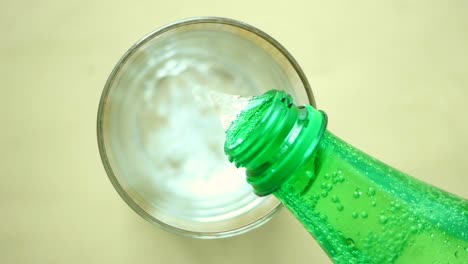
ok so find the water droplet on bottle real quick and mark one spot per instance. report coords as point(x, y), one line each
point(357, 193)
point(350, 242)
point(328, 186)
point(322, 217)
point(456, 254)
point(373, 204)
point(327, 176)
point(335, 199)
point(324, 193)
point(339, 207)
point(364, 214)
point(354, 215)
point(313, 203)
point(435, 193)
point(383, 219)
point(371, 191)
point(341, 178)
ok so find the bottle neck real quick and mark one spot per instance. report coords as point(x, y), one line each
point(272, 137)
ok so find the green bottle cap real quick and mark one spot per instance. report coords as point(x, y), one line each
point(271, 137)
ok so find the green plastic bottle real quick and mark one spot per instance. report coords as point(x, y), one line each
point(359, 209)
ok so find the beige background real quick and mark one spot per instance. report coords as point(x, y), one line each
point(393, 77)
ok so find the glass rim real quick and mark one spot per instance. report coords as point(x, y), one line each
point(102, 103)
